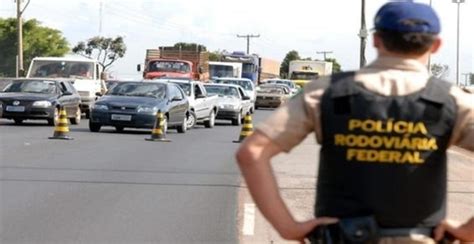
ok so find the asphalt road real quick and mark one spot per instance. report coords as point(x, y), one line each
point(113, 187)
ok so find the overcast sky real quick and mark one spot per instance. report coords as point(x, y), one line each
point(307, 26)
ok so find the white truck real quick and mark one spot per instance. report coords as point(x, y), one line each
point(202, 106)
point(303, 71)
point(85, 74)
point(225, 69)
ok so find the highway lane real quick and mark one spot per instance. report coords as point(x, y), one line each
point(113, 187)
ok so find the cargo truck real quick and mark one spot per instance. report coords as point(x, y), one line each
point(225, 69)
point(175, 63)
point(303, 71)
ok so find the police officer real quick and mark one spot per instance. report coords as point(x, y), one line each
point(384, 131)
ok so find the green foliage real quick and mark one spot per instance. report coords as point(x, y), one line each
point(285, 64)
point(215, 56)
point(336, 67)
point(190, 46)
point(105, 50)
point(37, 41)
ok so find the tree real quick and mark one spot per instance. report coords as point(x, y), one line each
point(439, 70)
point(336, 67)
point(190, 46)
point(285, 65)
point(37, 41)
point(105, 49)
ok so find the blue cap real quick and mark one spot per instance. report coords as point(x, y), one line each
point(406, 17)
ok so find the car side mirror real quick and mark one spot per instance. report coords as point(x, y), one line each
point(139, 67)
point(98, 94)
point(67, 93)
point(245, 98)
point(200, 96)
point(176, 98)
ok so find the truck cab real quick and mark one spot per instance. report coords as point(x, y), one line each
point(83, 73)
point(157, 68)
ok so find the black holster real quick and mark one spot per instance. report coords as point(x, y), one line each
point(360, 230)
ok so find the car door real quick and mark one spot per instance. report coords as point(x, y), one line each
point(66, 99)
point(178, 108)
point(246, 104)
point(200, 102)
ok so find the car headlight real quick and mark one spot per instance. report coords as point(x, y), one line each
point(147, 110)
point(42, 104)
point(100, 107)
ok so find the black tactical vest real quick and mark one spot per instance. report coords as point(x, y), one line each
point(384, 155)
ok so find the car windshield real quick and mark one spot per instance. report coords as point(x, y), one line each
point(185, 86)
point(304, 76)
point(169, 66)
point(273, 90)
point(216, 70)
point(248, 68)
point(136, 89)
point(288, 83)
point(32, 86)
point(246, 84)
point(62, 69)
point(222, 91)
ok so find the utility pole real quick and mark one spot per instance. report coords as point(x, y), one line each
point(363, 36)
point(248, 40)
point(324, 53)
point(100, 17)
point(458, 2)
point(19, 13)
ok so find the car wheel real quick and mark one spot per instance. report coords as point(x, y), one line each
point(165, 125)
point(183, 126)
point(119, 128)
point(191, 121)
point(212, 120)
point(53, 121)
point(77, 118)
point(238, 120)
point(252, 109)
point(94, 127)
point(18, 121)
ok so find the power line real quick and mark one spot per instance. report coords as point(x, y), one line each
point(248, 40)
point(324, 53)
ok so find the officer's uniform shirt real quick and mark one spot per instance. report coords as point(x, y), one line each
point(388, 76)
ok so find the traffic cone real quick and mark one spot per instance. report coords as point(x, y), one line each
point(158, 133)
point(61, 129)
point(247, 128)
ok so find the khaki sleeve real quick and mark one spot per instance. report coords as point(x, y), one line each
point(463, 131)
point(293, 121)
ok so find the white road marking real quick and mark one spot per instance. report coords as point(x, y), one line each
point(249, 219)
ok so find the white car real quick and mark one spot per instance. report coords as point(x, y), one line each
point(246, 84)
point(293, 87)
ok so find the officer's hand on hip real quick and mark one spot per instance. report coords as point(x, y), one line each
point(463, 232)
point(300, 230)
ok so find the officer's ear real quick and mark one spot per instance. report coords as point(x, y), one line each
point(436, 45)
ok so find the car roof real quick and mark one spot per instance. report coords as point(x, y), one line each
point(285, 80)
point(232, 78)
point(71, 59)
point(224, 85)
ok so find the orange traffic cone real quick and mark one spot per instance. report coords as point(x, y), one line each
point(247, 128)
point(158, 132)
point(61, 129)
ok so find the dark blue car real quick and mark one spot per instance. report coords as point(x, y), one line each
point(39, 99)
point(135, 104)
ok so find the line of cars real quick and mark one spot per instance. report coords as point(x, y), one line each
point(134, 104)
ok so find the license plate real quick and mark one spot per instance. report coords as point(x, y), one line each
point(15, 108)
point(121, 117)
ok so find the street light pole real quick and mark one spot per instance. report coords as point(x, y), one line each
point(458, 2)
